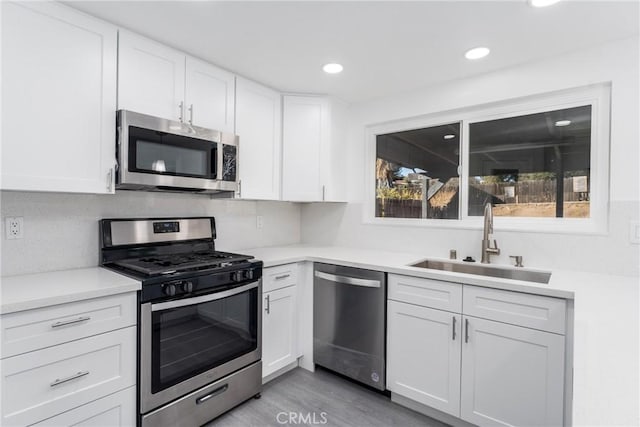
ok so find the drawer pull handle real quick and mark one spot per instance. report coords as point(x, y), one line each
point(72, 377)
point(466, 330)
point(453, 337)
point(70, 322)
point(214, 393)
point(268, 307)
point(282, 276)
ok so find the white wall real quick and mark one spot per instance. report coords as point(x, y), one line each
point(61, 230)
point(613, 62)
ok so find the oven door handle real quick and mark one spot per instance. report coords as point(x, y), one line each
point(204, 298)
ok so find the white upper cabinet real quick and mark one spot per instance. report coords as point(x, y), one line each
point(259, 127)
point(150, 77)
point(305, 132)
point(58, 99)
point(312, 162)
point(334, 158)
point(160, 81)
point(209, 96)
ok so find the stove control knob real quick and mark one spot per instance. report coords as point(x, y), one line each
point(236, 276)
point(187, 287)
point(248, 274)
point(169, 290)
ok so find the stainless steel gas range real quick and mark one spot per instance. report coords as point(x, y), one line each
point(199, 325)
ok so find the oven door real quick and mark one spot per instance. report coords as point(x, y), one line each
point(191, 342)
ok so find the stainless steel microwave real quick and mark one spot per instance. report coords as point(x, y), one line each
point(156, 154)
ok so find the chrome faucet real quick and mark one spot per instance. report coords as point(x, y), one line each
point(487, 250)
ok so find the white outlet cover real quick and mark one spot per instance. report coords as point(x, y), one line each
point(14, 227)
point(259, 222)
point(634, 232)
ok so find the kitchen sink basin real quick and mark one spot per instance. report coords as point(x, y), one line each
point(485, 270)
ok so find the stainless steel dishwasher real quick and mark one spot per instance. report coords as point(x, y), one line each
point(349, 312)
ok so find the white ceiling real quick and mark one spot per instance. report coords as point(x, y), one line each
point(385, 47)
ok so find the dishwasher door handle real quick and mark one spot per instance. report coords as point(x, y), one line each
point(348, 280)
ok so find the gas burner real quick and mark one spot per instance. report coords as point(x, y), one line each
point(180, 262)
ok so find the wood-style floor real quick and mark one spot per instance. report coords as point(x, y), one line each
point(298, 396)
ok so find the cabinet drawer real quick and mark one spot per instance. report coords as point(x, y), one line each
point(115, 410)
point(531, 311)
point(426, 292)
point(35, 329)
point(279, 277)
point(47, 382)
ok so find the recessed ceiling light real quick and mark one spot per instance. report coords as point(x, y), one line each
point(477, 53)
point(450, 136)
point(332, 68)
point(542, 3)
point(561, 123)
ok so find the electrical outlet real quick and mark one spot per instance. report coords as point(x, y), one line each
point(259, 222)
point(634, 232)
point(14, 227)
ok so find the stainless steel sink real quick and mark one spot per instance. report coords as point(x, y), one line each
point(485, 270)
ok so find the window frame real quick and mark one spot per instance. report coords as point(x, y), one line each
point(598, 96)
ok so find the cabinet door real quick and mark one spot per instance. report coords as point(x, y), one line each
point(423, 355)
point(279, 329)
point(210, 96)
point(334, 154)
point(150, 77)
point(58, 99)
point(305, 131)
point(511, 376)
point(259, 126)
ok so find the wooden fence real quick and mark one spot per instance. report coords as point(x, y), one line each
point(543, 191)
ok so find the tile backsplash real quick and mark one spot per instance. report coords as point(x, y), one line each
point(61, 230)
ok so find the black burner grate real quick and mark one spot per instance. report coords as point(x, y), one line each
point(165, 264)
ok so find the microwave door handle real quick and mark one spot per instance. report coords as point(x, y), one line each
point(202, 299)
point(220, 160)
point(215, 154)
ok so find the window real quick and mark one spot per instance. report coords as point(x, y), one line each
point(417, 173)
point(535, 165)
point(542, 162)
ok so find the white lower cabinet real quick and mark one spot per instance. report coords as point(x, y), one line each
point(486, 372)
point(511, 376)
point(115, 410)
point(424, 355)
point(77, 371)
point(279, 329)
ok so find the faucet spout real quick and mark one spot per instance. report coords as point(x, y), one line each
point(487, 250)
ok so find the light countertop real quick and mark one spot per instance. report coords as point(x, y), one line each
point(560, 285)
point(30, 291)
point(606, 322)
point(606, 317)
